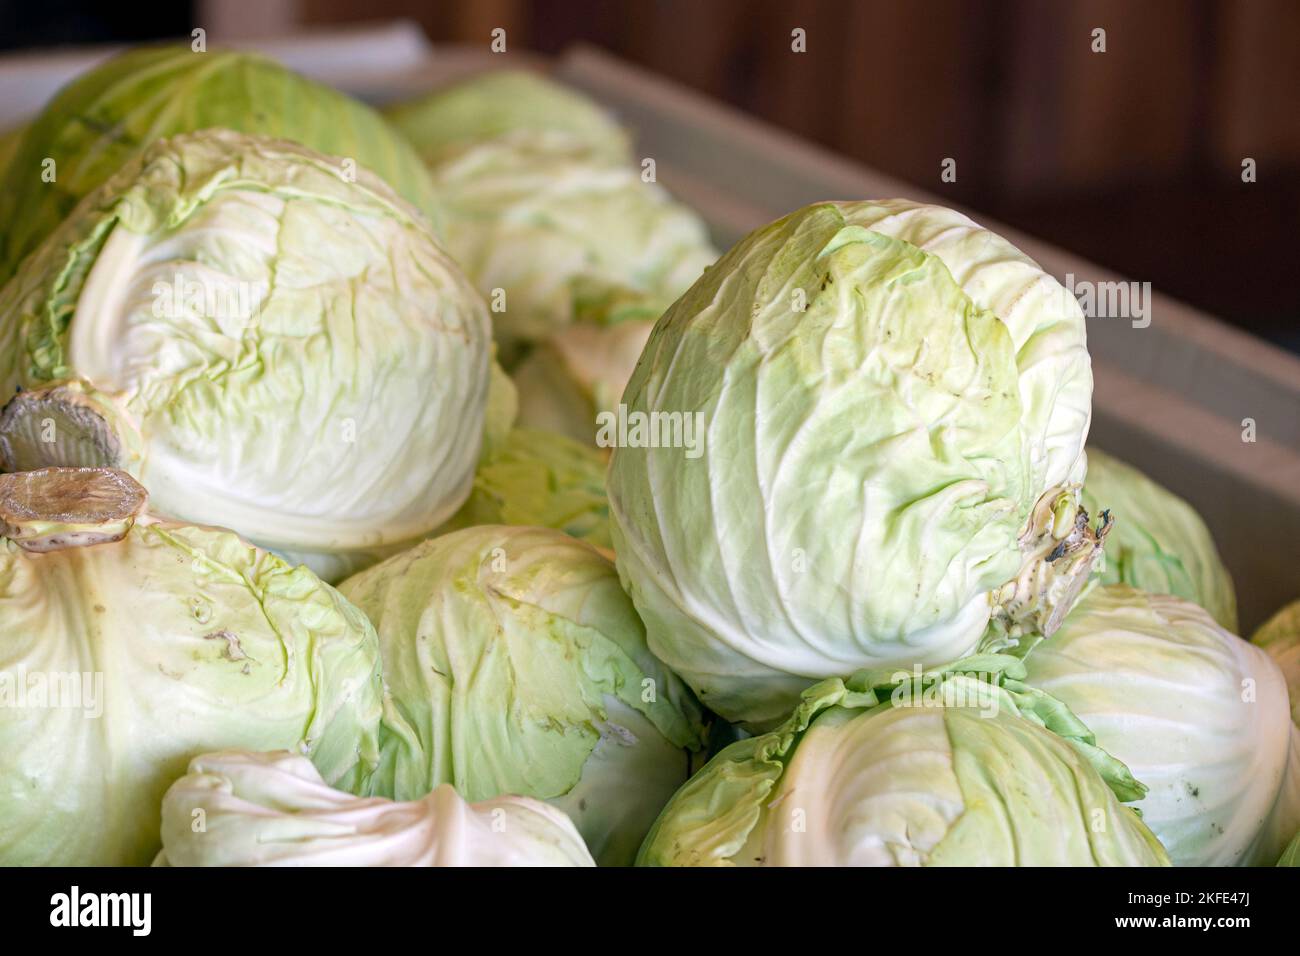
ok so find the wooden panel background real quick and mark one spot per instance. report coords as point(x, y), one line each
point(1131, 157)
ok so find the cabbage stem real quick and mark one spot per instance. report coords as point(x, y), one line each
point(59, 425)
point(56, 508)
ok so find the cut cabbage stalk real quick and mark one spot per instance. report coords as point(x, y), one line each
point(60, 425)
point(1060, 548)
point(57, 508)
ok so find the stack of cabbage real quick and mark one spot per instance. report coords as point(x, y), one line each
point(576, 248)
point(848, 524)
point(892, 404)
point(226, 285)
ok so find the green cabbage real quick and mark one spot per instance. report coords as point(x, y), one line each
point(543, 203)
point(110, 115)
point(508, 103)
point(273, 809)
point(516, 664)
point(1159, 543)
point(240, 327)
point(1200, 716)
point(892, 404)
point(132, 646)
point(963, 768)
point(541, 479)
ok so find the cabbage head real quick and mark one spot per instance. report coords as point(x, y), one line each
point(1159, 543)
point(264, 344)
point(855, 441)
point(966, 767)
point(516, 664)
point(132, 645)
point(541, 479)
point(111, 114)
point(509, 103)
point(1199, 715)
point(580, 372)
point(545, 210)
point(273, 809)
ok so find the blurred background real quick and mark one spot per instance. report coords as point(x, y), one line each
point(1131, 157)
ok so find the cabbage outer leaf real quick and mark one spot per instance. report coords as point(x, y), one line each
point(541, 479)
point(1279, 636)
point(1280, 639)
point(578, 373)
point(1291, 855)
point(273, 809)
